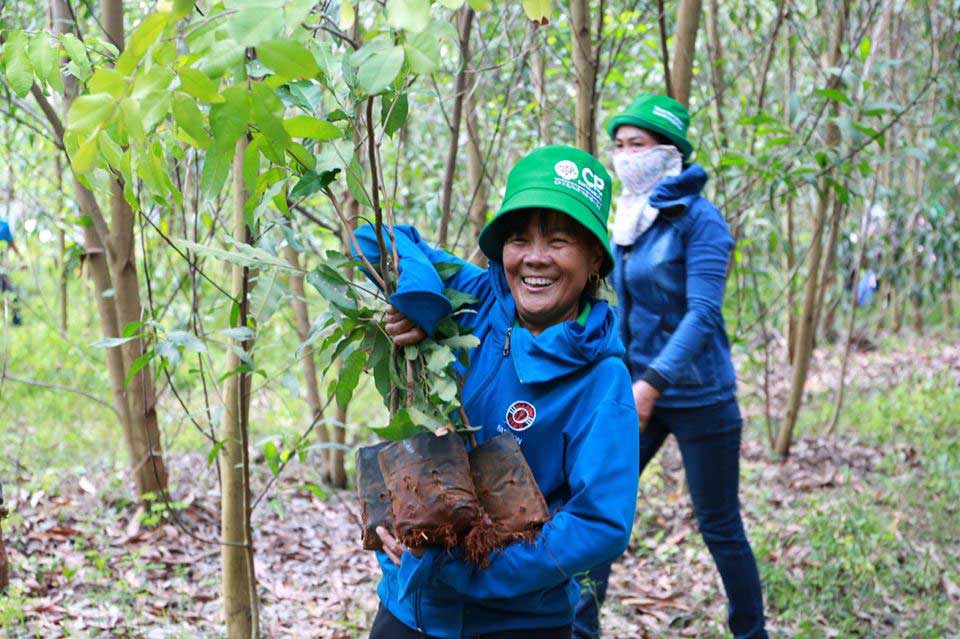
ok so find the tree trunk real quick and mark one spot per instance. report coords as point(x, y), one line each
point(476, 169)
point(539, 78)
point(302, 315)
point(465, 22)
point(123, 269)
point(790, 249)
point(61, 246)
point(716, 75)
point(685, 44)
point(239, 580)
point(585, 74)
point(4, 563)
point(808, 324)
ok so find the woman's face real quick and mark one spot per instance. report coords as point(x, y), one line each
point(547, 262)
point(630, 139)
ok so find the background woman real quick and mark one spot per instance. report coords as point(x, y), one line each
point(549, 370)
point(672, 248)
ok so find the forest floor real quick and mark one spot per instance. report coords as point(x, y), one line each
point(856, 534)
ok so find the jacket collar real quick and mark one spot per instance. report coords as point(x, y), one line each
point(679, 190)
point(560, 349)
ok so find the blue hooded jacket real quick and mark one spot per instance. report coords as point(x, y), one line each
point(670, 286)
point(565, 395)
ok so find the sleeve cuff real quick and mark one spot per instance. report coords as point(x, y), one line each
point(655, 379)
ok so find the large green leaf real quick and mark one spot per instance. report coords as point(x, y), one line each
point(78, 56)
point(43, 57)
point(190, 119)
point(400, 427)
point(264, 106)
point(140, 41)
point(255, 24)
point(17, 69)
point(311, 182)
point(355, 183)
point(379, 70)
point(393, 113)
point(334, 288)
point(409, 15)
point(241, 255)
point(347, 15)
point(423, 52)
point(349, 376)
point(537, 10)
point(288, 58)
point(197, 84)
point(107, 80)
point(90, 112)
point(305, 126)
point(229, 118)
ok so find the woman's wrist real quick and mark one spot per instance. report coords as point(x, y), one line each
point(655, 379)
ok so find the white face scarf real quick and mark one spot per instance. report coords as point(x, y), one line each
point(640, 171)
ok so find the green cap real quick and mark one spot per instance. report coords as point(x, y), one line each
point(560, 178)
point(659, 114)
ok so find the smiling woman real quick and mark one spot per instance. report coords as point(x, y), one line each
point(551, 263)
point(548, 374)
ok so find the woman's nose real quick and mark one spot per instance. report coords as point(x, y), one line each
point(537, 253)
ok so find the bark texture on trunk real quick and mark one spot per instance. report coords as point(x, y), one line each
point(239, 582)
point(476, 170)
point(151, 476)
point(585, 74)
point(685, 44)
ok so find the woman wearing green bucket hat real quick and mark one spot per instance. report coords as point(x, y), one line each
point(549, 371)
point(672, 248)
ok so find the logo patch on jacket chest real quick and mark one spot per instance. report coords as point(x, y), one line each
point(520, 415)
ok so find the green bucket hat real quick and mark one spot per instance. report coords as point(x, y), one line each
point(659, 114)
point(560, 178)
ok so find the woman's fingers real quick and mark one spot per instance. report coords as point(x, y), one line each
point(402, 329)
point(391, 546)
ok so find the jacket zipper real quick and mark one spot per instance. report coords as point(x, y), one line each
point(627, 303)
point(505, 352)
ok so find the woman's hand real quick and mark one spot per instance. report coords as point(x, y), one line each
point(394, 548)
point(644, 396)
point(403, 330)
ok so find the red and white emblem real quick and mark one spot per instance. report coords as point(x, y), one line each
point(520, 415)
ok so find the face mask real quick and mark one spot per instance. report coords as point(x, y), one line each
point(640, 171)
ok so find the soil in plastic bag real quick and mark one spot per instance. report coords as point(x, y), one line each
point(508, 495)
point(374, 499)
point(431, 491)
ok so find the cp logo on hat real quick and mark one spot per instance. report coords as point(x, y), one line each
point(520, 415)
point(567, 169)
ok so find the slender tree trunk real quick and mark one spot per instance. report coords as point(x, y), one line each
point(465, 22)
point(808, 325)
point(717, 75)
point(685, 45)
point(476, 170)
point(585, 74)
point(146, 464)
point(61, 246)
point(309, 363)
point(239, 582)
point(539, 78)
point(827, 273)
point(123, 269)
point(790, 249)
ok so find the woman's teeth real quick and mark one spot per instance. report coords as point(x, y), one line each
point(538, 282)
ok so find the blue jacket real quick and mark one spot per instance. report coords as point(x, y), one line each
point(670, 288)
point(5, 234)
point(578, 433)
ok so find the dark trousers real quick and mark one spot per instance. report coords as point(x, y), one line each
point(5, 286)
point(386, 626)
point(709, 440)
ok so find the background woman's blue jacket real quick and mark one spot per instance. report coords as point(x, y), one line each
point(578, 433)
point(670, 288)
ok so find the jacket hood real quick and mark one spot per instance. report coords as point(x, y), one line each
point(679, 190)
point(561, 349)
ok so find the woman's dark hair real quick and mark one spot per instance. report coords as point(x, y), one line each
point(548, 220)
